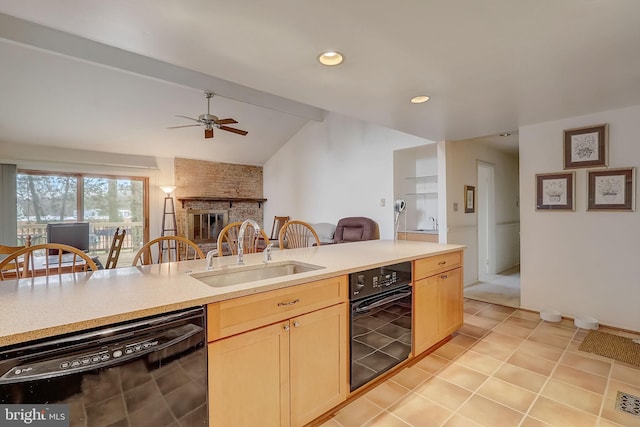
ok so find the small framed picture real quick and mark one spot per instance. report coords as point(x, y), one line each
point(469, 199)
point(555, 191)
point(612, 190)
point(586, 147)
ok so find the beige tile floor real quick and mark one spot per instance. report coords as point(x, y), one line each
point(502, 288)
point(504, 368)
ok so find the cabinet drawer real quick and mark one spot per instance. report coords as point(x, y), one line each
point(418, 237)
point(241, 314)
point(426, 267)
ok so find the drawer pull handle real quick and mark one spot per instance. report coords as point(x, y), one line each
point(442, 262)
point(297, 300)
point(444, 276)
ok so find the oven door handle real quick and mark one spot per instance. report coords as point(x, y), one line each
point(383, 301)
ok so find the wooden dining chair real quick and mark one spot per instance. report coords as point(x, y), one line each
point(297, 234)
point(51, 258)
point(228, 239)
point(116, 245)
point(278, 222)
point(7, 250)
point(167, 249)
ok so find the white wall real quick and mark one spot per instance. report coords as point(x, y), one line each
point(336, 168)
point(462, 169)
point(580, 263)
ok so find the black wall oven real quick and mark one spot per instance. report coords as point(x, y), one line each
point(380, 321)
point(148, 372)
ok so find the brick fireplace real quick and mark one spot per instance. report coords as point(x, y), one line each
point(211, 194)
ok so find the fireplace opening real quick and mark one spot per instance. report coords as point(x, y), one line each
point(204, 226)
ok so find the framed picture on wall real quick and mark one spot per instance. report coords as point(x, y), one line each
point(555, 191)
point(586, 147)
point(612, 190)
point(469, 199)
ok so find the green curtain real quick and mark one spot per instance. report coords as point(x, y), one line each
point(8, 203)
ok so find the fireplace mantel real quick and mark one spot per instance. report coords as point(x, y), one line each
point(231, 200)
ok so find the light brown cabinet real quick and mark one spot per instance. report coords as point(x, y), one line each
point(418, 237)
point(249, 379)
point(318, 350)
point(282, 374)
point(438, 301)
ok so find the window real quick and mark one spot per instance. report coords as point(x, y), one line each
point(105, 202)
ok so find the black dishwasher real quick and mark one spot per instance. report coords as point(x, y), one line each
point(147, 372)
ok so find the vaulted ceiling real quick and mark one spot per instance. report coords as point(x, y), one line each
point(112, 75)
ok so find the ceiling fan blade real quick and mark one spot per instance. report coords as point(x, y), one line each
point(208, 133)
point(238, 131)
point(183, 126)
point(226, 121)
point(190, 118)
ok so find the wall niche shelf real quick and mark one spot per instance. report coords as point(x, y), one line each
point(424, 178)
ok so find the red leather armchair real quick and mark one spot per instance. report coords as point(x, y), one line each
point(356, 228)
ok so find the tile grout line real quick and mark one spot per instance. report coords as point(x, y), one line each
point(548, 378)
point(475, 392)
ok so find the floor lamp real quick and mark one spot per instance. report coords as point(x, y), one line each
point(169, 226)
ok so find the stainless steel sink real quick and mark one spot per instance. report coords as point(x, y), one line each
point(252, 273)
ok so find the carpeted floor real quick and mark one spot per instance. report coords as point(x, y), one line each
point(612, 346)
point(502, 288)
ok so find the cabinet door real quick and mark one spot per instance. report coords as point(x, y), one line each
point(451, 301)
point(426, 314)
point(318, 371)
point(249, 378)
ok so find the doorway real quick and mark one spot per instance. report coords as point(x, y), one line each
point(497, 227)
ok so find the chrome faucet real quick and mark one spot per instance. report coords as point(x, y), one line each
point(434, 225)
point(267, 253)
point(243, 227)
point(210, 256)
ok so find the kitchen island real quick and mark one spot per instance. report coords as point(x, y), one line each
point(41, 307)
point(284, 340)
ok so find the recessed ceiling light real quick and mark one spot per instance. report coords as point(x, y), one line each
point(330, 58)
point(419, 99)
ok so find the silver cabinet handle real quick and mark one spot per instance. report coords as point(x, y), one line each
point(444, 276)
point(297, 300)
point(296, 324)
point(286, 327)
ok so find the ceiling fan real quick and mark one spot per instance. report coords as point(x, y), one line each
point(210, 121)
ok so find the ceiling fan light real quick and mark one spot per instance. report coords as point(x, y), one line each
point(330, 58)
point(420, 99)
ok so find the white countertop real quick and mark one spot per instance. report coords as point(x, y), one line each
point(52, 305)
